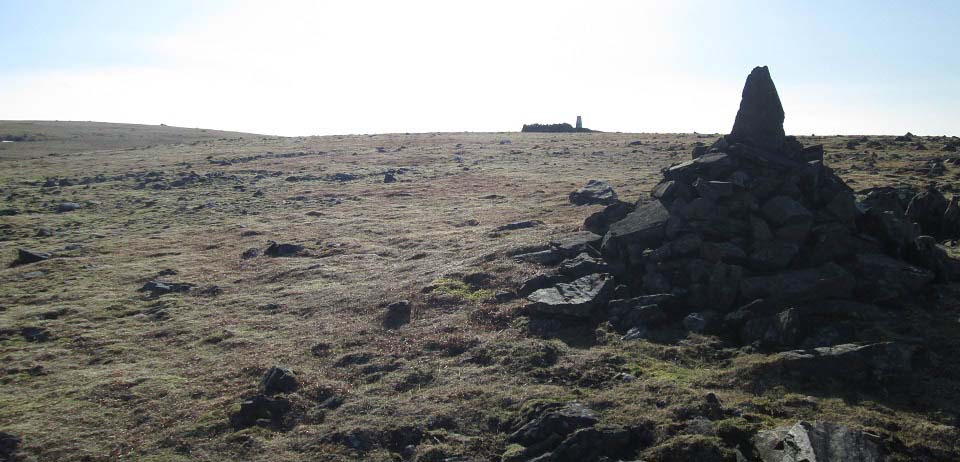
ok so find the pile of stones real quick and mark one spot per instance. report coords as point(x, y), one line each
point(754, 237)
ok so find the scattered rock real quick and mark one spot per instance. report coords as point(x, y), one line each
point(68, 207)
point(8, 446)
point(25, 257)
point(553, 422)
point(260, 410)
point(397, 314)
point(343, 177)
point(519, 225)
point(278, 380)
point(36, 334)
point(158, 288)
point(284, 250)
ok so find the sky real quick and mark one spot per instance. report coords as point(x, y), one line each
point(288, 67)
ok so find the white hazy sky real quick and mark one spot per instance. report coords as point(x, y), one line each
point(337, 67)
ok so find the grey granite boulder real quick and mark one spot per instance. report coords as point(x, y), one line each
point(818, 442)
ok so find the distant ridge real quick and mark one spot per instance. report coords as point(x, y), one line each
point(35, 138)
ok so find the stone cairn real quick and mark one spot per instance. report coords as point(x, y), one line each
point(754, 238)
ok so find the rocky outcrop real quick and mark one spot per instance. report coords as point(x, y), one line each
point(754, 238)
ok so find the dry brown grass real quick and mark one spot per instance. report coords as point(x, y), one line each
point(118, 384)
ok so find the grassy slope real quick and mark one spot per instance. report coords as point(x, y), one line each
point(118, 384)
point(60, 138)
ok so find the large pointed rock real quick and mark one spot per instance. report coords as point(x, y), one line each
point(759, 121)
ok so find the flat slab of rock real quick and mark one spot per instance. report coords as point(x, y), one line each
point(577, 299)
point(712, 165)
point(818, 442)
point(595, 192)
point(519, 225)
point(644, 227)
point(827, 281)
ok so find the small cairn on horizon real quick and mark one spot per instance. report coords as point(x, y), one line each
point(556, 128)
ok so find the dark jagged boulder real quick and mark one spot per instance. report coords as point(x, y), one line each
point(25, 257)
point(283, 250)
point(260, 410)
